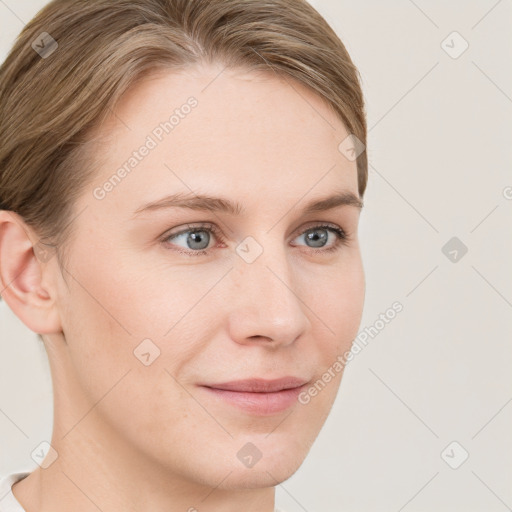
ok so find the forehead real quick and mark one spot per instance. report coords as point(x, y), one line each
point(211, 128)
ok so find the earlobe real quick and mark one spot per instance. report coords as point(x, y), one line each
point(21, 276)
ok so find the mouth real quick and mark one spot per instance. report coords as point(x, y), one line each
point(258, 396)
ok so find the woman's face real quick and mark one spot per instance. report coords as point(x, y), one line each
point(156, 303)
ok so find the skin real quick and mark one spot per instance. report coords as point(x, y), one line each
point(134, 437)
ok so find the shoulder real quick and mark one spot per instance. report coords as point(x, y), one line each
point(8, 503)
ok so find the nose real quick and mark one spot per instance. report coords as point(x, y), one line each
point(266, 305)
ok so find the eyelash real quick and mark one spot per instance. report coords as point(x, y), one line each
point(342, 238)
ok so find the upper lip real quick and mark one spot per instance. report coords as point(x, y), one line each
point(260, 385)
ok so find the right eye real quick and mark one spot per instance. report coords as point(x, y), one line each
point(195, 239)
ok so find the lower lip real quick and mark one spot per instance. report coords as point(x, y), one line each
point(259, 403)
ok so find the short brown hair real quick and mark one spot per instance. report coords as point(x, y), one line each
point(50, 104)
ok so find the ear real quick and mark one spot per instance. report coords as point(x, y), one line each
point(24, 269)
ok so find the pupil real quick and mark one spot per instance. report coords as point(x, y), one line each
point(316, 238)
point(196, 238)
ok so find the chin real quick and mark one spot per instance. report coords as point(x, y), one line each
point(270, 470)
point(257, 478)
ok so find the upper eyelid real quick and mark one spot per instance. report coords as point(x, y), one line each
point(342, 237)
point(340, 233)
point(215, 229)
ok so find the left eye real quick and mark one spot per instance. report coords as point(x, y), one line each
point(340, 237)
point(197, 238)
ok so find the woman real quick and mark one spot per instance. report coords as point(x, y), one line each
point(181, 183)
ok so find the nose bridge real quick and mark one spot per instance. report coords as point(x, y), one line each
point(268, 303)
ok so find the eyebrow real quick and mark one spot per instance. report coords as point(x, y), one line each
point(218, 204)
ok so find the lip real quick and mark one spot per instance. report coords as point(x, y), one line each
point(258, 396)
point(259, 385)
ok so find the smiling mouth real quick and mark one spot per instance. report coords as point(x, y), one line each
point(258, 396)
point(257, 385)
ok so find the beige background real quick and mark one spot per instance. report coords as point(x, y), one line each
point(440, 154)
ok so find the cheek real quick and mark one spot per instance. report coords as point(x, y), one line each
point(110, 310)
point(337, 303)
point(98, 315)
point(111, 381)
point(151, 297)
